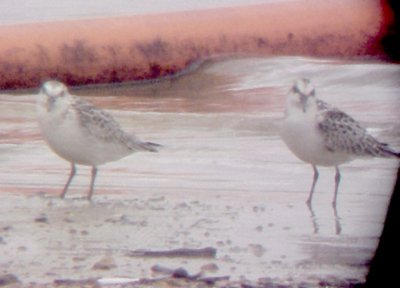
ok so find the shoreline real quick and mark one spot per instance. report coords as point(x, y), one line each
point(224, 180)
point(142, 47)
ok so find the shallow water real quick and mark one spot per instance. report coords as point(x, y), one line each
point(223, 179)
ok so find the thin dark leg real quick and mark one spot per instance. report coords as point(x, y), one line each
point(71, 175)
point(337, 221)
point(315, 179)
point(94, 173)
point(337, 181)
point(314, 220)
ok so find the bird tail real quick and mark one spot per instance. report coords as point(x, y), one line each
point(394, 154)
point(386, 151)
point(150, 146)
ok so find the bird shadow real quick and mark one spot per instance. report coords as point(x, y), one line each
point(315, 221)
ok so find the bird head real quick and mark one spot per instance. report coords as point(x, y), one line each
point(52, 91)
point(301, 93)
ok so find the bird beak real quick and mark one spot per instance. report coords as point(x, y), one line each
point(303, 102)
point(50, 103)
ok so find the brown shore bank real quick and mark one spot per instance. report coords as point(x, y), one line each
point(151, 46)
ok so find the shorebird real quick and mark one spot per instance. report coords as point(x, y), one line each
point(81, 133)
point(323, 135)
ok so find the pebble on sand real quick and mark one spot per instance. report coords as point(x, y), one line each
point(8, 279)
point(105, 263)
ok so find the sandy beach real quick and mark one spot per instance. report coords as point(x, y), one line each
point(222, 204)
point(224, 181)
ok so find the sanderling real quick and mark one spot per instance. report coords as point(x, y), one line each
point(81, 133)
point(322, 135)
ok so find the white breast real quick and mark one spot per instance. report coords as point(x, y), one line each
point(300, 133)
point(62, 130)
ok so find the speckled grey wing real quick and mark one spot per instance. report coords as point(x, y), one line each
point(341, 133)
point(321, 105)
point(102, 126)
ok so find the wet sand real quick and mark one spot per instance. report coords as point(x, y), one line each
point(224, 179)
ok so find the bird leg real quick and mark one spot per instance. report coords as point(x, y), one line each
point(71, 175)
point(315, 179)
point(314, 219)
point(337, 221)
point(337, 181)
point(94, 173)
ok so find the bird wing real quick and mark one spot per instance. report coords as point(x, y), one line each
point(321, 105)
point(96, 122)
point(101, 125)
point(341, 133)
